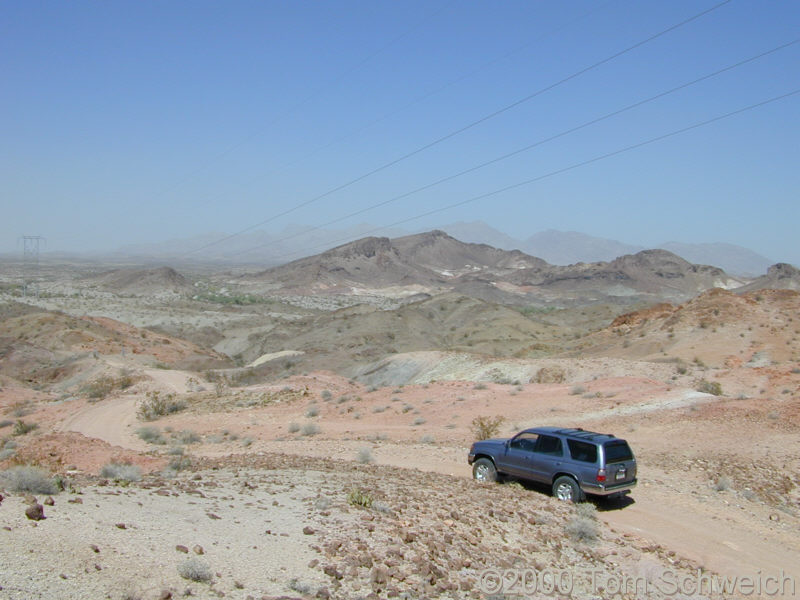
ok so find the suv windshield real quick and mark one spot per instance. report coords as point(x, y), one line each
point(617, 451)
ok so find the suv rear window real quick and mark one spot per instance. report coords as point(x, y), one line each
point(582, 451)
point(618, 451)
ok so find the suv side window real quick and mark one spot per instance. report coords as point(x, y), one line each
point(525, 441)
point(547, 444)
point(582, 451)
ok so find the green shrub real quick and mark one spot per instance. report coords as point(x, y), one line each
point(357, 497)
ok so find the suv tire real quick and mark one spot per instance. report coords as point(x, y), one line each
point(567, 489)
point(484, 471)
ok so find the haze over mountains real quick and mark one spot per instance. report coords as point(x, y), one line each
point(555, 247)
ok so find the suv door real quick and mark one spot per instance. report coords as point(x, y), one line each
point(517, 454)
point(546, 458)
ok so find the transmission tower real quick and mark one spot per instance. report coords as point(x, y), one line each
point(30, 264)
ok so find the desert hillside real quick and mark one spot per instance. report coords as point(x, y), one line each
point(302, 432)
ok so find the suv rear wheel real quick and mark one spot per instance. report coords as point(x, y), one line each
point(567, 489)
point(483, 470)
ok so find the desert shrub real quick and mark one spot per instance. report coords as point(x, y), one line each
point(479, 386)
point(194, 569)
point(379, 409)
point(104, 385)
point(326, 394)
point(9, 445)
point(582, 529)
point(577, 390)
point(6, 423)
point(419, 421)
point(301, 587)
point(28, 479)
point(151, 435)
point(21, 427)
point(175, 451)
point(723, 483)
point(179, 463)
point(426, 439)
point(294, 427)
point(247, 442)
point(484, 428)
point(7, 453)
point(313, 411)
point(156, 406)
point(187, 436)
point(357, 497)
point(310, 429)
point(364, 456)
point(709, 387)
point(120, 472)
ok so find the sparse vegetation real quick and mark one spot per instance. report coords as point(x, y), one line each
point(723, 483)
point(357, 497)
point(21, 427)
point(364, 456)
point(484, 428)
point(583, 526)
point(577, 390)
point(310, 429)
point(195, 569)
point(313, 411)
point(709, 387)
point(326, 395)
point(479, 386)
point(157, 405)
point(294, 427)
point(151, 435)
point(106, 384)
point(121, 472)
point(28, 479)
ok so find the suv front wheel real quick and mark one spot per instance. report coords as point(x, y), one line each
point(567, 489)
point(483, 470)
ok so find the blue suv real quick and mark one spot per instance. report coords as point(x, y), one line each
point(573, 462)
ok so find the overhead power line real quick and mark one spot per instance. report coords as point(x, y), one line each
point(562, 170)
point(390, 114)
point(525, 148)
point(475, 123)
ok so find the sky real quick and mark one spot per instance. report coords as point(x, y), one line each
point(141, 121)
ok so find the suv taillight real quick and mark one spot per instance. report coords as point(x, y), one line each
point(601, 476)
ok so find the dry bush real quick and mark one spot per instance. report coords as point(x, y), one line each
point(364, 456)
point(309, 429)
point(194, 569)
point(484, 428)
point(28, 479)
point(356, 497)
point(151, 435)
point(709, 387)
point(121, 472)
point(157, 406)
point(582, 529)
point(21, 427)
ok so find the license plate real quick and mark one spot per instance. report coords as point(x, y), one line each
point(620, 474)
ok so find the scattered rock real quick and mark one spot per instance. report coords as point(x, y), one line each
point(94, 548)
point(49, 501)
point(182, 548)
point(121, 526)
point(35, 512)
point(308, 530)
point(75, 500)
point(198, 549)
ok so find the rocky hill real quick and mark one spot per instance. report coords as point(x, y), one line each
point(435, 261)
point(142, 282)
point(781, 276)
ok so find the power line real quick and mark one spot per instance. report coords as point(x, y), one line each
point(480, 120)
point(388, 115)
point(528, 147)
point(566, 169)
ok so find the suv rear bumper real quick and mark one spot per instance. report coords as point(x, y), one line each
point(607, 490)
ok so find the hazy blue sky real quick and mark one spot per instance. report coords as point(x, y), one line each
point(141, 121)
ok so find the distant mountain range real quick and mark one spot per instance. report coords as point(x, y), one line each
point(555, 247)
